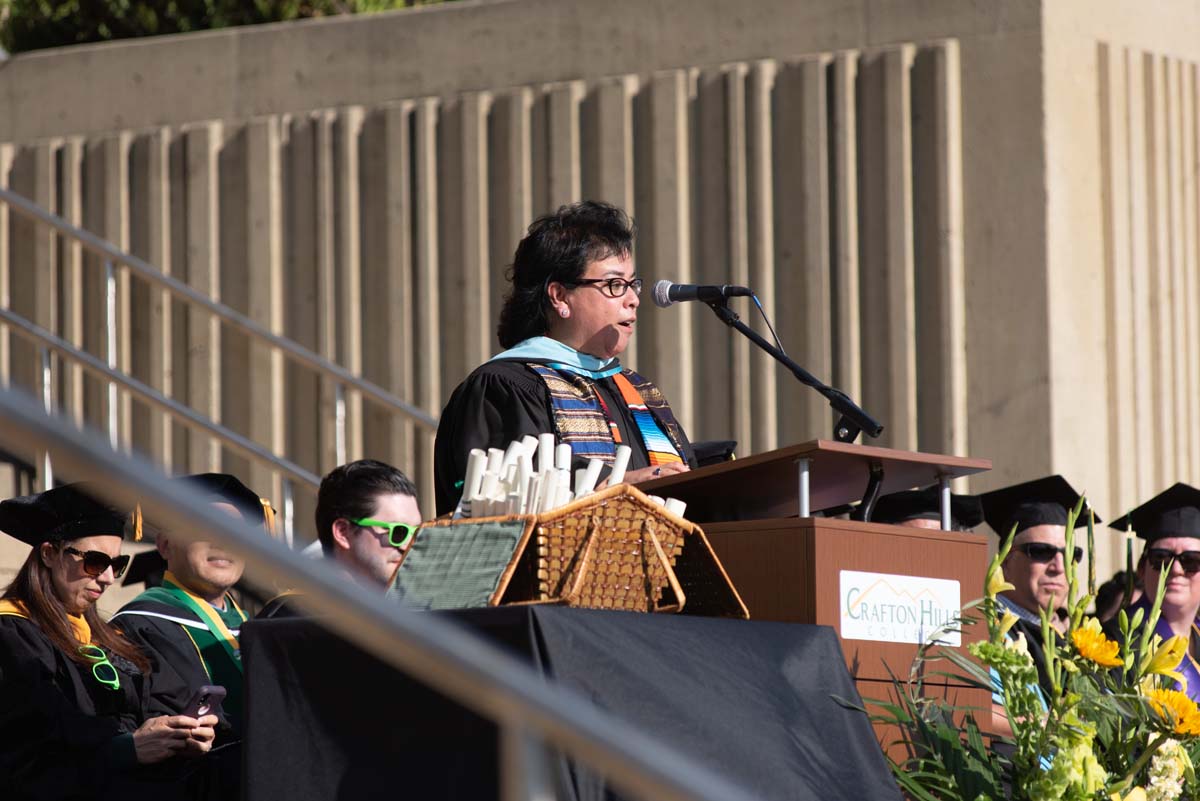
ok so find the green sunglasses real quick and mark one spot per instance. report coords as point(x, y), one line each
point(407, 530)
point(102, 668)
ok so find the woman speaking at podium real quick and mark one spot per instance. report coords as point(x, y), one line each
point(569, 315)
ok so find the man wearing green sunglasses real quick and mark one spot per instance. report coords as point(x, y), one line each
point(367, 518)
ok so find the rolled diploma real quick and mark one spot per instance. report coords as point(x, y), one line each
point(495, 460)
point(545, 453)
point(515, 448)
point(591, 474)
point(562, 457)
point(476, 464)
point(676, 506)
point(620, 462)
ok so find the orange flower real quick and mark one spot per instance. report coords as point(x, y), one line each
point(1176, 707)
point(1091, 644)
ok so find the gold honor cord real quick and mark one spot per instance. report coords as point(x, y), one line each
point(207, 615)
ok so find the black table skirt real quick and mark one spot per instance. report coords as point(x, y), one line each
point(754, 701)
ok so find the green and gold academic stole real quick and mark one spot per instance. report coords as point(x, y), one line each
point(208, 616)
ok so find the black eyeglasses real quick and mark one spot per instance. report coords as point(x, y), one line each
point(96, 562)
point(613, 287)
point(1159, 558)
point(1044, 552)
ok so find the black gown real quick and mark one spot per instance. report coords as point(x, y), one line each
point(64, 735)
point(503, 401)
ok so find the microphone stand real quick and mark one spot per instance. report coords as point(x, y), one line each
point(853, 419)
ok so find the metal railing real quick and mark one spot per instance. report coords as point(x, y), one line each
point(110, 256)
point(531, 713)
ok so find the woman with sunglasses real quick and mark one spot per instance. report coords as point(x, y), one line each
point(1170, 524)
point(569, 315)
point(71, 687)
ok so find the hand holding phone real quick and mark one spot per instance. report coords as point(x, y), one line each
point(205, 701)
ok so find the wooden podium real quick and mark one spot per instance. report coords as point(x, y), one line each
point(790, 566)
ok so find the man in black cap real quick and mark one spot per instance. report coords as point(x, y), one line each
point(190, 625)
point(1170, 524)
point(923, 509)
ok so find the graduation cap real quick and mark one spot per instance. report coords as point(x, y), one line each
point(1041, 502)
point(63, 513)
point(926, 504)
point(1175, 512)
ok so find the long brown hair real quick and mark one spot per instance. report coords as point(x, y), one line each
point(34, 587)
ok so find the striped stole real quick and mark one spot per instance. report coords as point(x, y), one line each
point(581, 420)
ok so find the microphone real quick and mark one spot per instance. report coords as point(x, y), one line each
point(665, 293)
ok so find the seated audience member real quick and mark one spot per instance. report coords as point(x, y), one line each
point(189, 626)
point(367, 517)
point(923, 509)
point(1170, 524)
point(72, 704)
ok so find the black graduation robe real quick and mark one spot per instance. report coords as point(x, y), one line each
point(176, 667)
point(503, 401)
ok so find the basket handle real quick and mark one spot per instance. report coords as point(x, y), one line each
point(649, 527)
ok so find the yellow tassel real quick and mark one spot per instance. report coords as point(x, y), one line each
point(268, 516)
point(135, 517)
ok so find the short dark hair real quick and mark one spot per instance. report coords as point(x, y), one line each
point(350, 491)
point(558, 247)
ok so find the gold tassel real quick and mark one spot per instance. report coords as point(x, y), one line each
point(135, 517)
point(268, 516)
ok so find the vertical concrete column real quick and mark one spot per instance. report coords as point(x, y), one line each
point(804, 273)
point(72, 282)
point(760, 220)
point(847, 324)
point(348, 320)
point(1114, 147)
point(564, 170)
point(116, 231)
point(427, 281)
point(1178, 226)
point(938, 237)
point(264, 275)
point(387, 312)
point(150, 315)
point(510, 179)
point(889, 353)
point(606, 141)
point(1191, 215)
point(738, 265)
point(664, 191)
point(1162, 373)
point(1140, 271)
point(203, 144)
point(324, 303)
point(710, 229)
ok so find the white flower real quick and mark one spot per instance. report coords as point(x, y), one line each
point(1167, 772)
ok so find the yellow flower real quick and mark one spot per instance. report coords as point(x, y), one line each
point(1007, 622)
point(1177, 708)
point(996, 583)
point(1167, 658)
point(1093, 645)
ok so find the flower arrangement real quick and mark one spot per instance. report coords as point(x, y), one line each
point(1110, 725)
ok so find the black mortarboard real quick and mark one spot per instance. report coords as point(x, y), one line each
point(63, 513)
point(965, 510)
point(1042, 502)
point(216, 488)
point(1172, 513)
point(224, 488)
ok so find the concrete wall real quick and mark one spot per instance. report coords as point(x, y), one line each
point(979, 219)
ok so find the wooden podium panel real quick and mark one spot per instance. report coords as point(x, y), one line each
point(789, 570)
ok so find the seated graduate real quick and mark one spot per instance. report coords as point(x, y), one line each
point(72, 715)
point(923, 509)
point(569, 315)
point(1170, 524)
point(190, 625)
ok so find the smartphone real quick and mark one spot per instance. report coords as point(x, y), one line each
point(205, 701)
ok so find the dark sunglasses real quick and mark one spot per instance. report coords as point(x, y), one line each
point(399, 534)
point(1159, 558)
point(1044, 552)
point(96, 562)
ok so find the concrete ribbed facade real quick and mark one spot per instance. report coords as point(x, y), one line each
point(979, 220)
